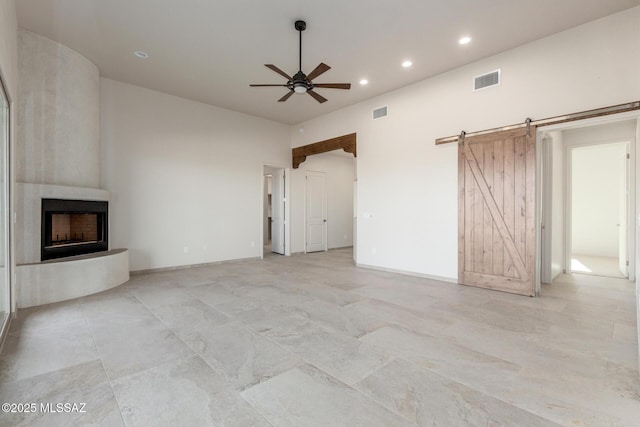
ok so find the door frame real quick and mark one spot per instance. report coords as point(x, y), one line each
point(287, 208)
point(544, 185)
point(326, 207)
point(634, 197)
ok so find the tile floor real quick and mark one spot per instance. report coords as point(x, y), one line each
point(311, 340)
point(599, 266)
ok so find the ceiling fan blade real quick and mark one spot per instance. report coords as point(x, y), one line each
point(333, 85)
point(254, 85)
point(318, 70)
point(284, 98)
point(279, 71)
point(317, 96)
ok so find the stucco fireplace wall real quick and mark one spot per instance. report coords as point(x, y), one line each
point(58, 115)
point(57, 156)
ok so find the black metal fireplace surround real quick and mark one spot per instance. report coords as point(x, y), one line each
point(73, 227)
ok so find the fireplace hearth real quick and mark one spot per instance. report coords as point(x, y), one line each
point(73, 227)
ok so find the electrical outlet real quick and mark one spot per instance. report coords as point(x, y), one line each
point(186, 249)
point(253, 244)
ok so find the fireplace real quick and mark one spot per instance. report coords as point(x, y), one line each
point(73, 227)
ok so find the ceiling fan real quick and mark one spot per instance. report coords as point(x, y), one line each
point(300, 82)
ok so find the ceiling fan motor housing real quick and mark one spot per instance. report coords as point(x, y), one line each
point(300, 83)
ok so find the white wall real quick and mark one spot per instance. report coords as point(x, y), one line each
point(598, 134)
point(596, 178)
point(409, 185)
point(340, 173)
point(184, 174)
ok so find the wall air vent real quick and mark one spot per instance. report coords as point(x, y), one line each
point(379, 113)
point(486, 80)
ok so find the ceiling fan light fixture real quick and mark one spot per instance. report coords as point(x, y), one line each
point(299, 87)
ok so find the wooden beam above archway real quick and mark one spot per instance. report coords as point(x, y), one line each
point(345, 142)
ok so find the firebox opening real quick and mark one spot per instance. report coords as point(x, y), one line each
point(73, 227)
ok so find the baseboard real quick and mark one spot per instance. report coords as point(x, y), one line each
point(185, 267)
point(319, 252)
point(409, 273)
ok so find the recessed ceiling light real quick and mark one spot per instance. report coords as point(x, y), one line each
point(407, 64)
point(140, 54)
point(364, 82)
point(464, 40)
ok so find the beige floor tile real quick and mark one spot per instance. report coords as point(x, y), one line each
point(313, 340)
point(305, 396)
point(125, 350)
point(84, 387)
point(427, 399)
point(35, 351)
point(340, 355)
point(246, 357)
point(183, 392)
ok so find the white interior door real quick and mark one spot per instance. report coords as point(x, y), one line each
point(316, 212)
point(277, 212)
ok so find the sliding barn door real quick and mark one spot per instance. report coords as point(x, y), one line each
point(497, 211)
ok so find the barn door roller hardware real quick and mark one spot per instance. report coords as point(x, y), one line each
point(615, 109)
point(461, 138)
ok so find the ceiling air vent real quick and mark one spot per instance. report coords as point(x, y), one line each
point(379, 113)
point(486, 80)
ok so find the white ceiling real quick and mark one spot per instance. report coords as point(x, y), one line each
point(210, 50)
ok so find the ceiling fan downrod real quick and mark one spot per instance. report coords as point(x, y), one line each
point(300, 26)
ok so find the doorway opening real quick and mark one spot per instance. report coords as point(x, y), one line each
point(322, 203)
point(587, 198)
point(275, 211)
point(335, 159)
point(266, 214)
point(598, 181)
